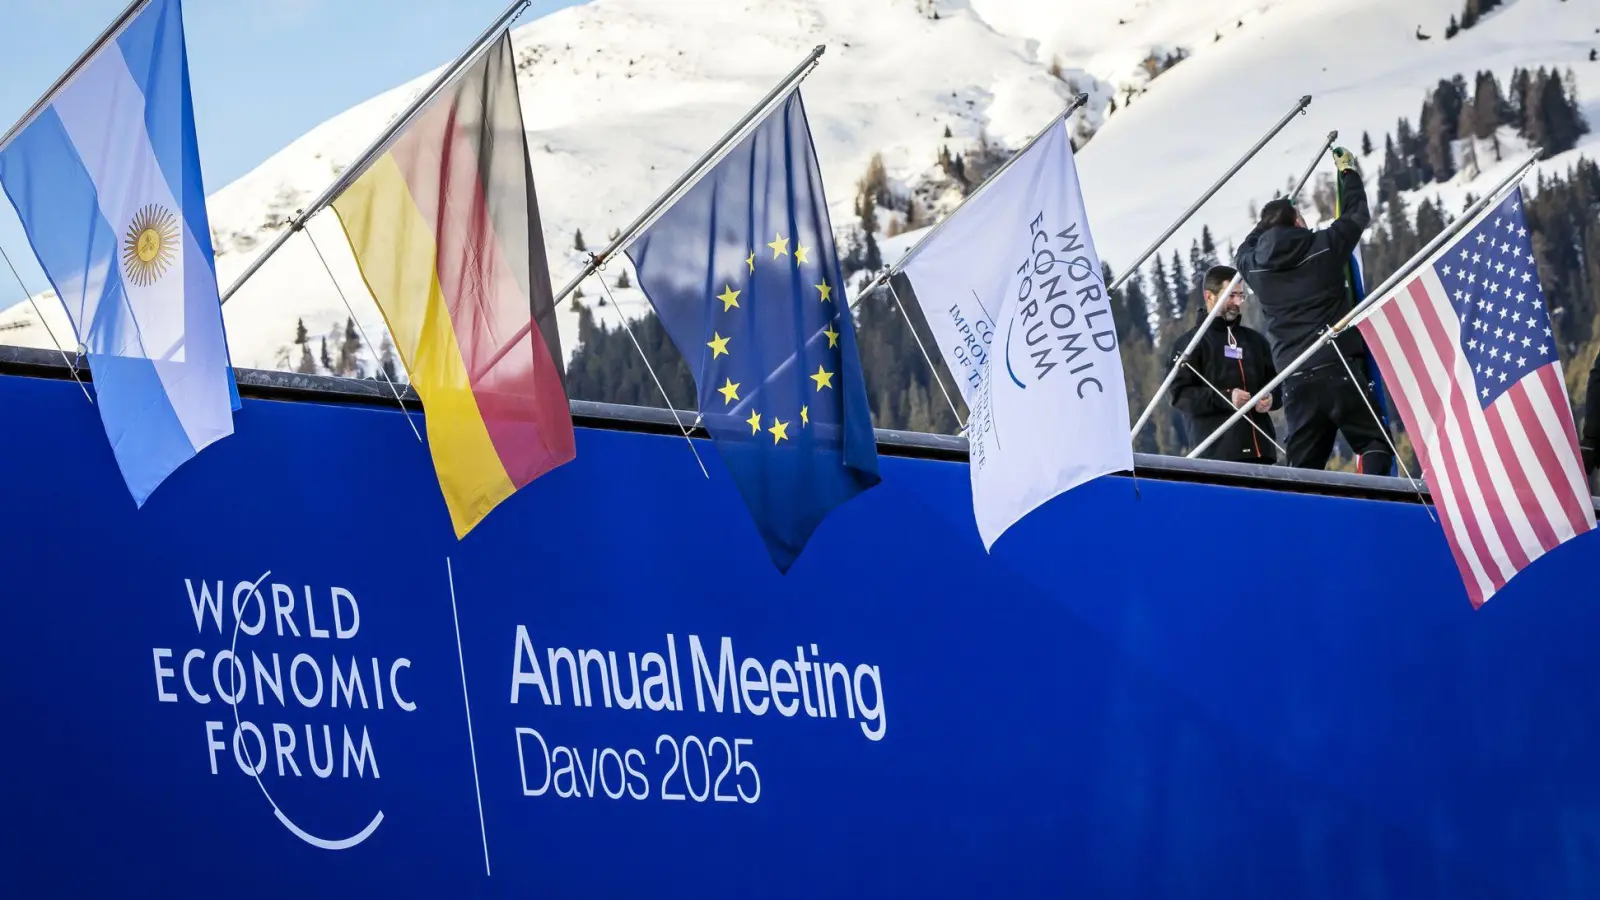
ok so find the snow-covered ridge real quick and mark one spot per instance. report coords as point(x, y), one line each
point(620, 95)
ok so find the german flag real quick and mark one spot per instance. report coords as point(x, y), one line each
point(445, 228)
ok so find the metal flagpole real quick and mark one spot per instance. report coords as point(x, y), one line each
point(1375, 296)
point(111, 32)
point(905, 257)
point(692, 174)
point(1301, 185)
point(1183, 358)
point(1299, 109)
point(1229, 400)
point(379, 146)
point(1211, 315)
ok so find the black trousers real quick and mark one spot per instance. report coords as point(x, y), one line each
point(1322, 403)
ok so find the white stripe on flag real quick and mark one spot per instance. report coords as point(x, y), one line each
point(1571, 463)
point(1468, 460)
point(1412, 399)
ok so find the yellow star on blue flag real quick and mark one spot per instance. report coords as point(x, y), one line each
point(796, 435)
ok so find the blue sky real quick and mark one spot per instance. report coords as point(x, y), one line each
point(264, 71)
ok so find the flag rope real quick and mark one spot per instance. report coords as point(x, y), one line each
point(651, 369)
point(357, 320)
point(1383, 428)
point(1229, 400)
point(932, 369)
point(71, 366)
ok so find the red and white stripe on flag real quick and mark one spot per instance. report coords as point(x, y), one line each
point(1467, 353)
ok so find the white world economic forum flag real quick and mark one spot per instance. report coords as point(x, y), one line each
point(1012, 289)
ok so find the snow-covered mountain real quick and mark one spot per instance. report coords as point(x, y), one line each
point(620, 95)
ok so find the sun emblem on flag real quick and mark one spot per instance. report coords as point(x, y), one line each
point(150, 245)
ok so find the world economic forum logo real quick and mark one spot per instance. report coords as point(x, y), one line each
point(307, 700)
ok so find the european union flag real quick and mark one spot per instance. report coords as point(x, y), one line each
point(743, 274)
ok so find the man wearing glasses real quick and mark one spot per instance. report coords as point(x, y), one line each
point(1298, 276)
point(1228, 366)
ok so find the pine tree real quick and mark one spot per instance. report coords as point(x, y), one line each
point(1128, 307)
point(386, 359)
point(1430, 221)
point(1440, 115)
point(623, 281)
point(1467, 127)
point(349, 351)
point(1182, 294)
point(1489, 107)
point(1452, 29)
point(327, 362)
point(947, 135)
point(1536, 123)
point(307, 365)
point(1208, 246)
point(1391, 174)
point(866, 208)
point(1563, 122)
point(1409, 172)
point(1521, 81)
point(577, 241)
point(1161, 289)
point(1366, 144)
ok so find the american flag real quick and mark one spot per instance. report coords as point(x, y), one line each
point(1466, 347)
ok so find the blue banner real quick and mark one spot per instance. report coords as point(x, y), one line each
point(285, 677)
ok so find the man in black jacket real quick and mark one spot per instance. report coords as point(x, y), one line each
point(1228, 366)
point(1298, 276)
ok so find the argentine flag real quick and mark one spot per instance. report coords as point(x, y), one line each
point(106, 181)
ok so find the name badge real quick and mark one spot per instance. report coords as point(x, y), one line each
point(1233, 351)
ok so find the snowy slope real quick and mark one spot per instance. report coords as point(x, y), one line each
point(620, 95)
point(1365, 69)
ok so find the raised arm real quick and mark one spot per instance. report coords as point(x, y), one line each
point(1354, 216)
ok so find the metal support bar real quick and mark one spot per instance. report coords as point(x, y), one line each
point(900, 263)
point(1332, 136)
point(1183, 358)
point(692, 174)
point(379, 146)
point(110, 34)
point(1299, 109)
point(1372, 299)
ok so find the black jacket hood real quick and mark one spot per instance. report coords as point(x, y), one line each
point(1282, 247)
